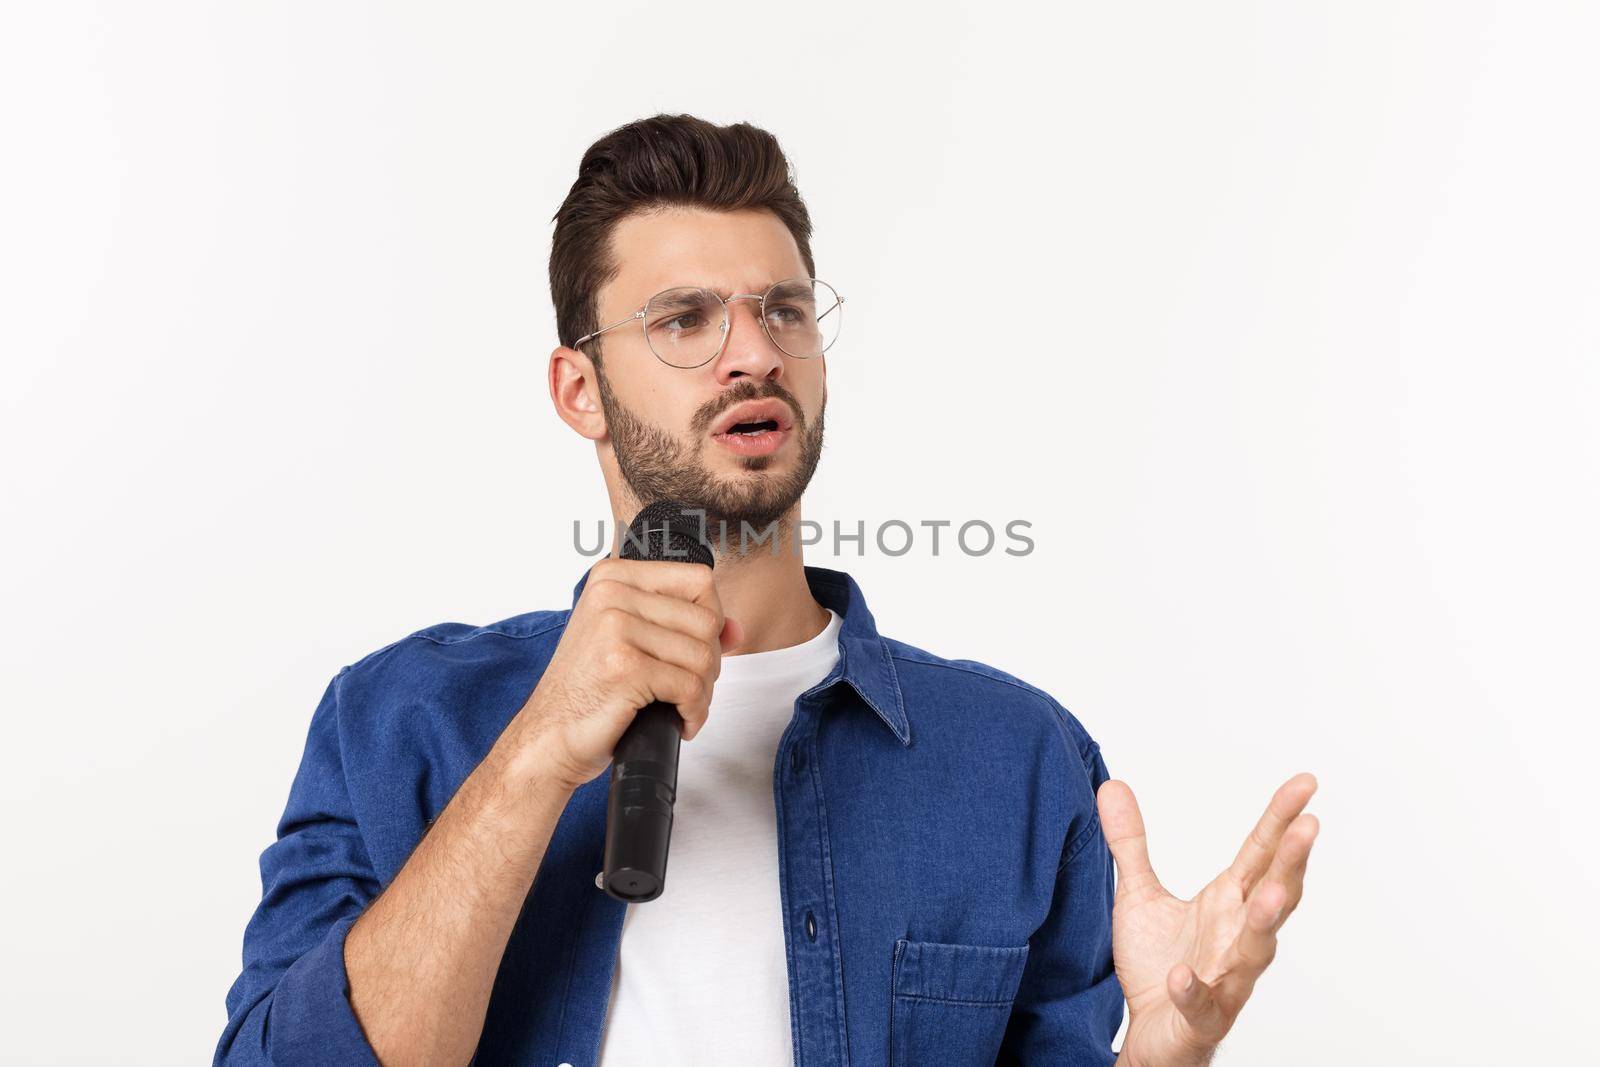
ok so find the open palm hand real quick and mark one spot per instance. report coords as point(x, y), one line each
point(1187, 966)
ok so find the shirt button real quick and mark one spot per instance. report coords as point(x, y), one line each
point(811, 926)
point(794, 758)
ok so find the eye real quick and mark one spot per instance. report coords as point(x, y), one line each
point(787, 316)
point(677, 323)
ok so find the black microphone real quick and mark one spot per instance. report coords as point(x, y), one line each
point(644, 766)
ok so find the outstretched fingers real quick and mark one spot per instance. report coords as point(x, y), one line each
point(1123, 827)
point(1267, 908)
point(1288, 867)
point(1258, 849)
point(1255, 946)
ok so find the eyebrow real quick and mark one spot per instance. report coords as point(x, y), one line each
point(758, 290)
point(726, 293)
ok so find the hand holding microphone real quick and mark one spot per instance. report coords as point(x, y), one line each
point(630, 678)
point(641, 631)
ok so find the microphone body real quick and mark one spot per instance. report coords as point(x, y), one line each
point(644, 766)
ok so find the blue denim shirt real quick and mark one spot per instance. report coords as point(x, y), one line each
point(945, 886)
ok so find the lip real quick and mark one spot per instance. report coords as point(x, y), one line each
point(756, 444)
point(755, 411)
point(752, 444)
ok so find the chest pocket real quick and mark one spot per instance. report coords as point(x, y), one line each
point(950, 1003)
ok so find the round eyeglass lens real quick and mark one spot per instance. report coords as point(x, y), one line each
point(685, 326)
point(803, 316)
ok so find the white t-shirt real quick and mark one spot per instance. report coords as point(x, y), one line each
point(702, 974)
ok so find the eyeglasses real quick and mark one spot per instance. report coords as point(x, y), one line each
point(687, 327)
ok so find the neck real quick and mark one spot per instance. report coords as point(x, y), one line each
point(764, 588)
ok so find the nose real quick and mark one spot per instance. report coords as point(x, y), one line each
point(749, 352)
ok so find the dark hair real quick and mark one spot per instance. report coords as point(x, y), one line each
point(653, 163)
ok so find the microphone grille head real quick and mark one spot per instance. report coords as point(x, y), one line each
point(667, 529)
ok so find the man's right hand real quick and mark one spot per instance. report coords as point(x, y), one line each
point(642, 630)
point(422, 958)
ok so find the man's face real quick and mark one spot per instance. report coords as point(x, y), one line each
point(667, 425)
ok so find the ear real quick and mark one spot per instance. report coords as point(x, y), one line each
point(575, 391)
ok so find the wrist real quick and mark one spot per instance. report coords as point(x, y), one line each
point(522, 774)
point(1185, 1059)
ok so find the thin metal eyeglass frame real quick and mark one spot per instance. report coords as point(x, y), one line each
point(727, 316)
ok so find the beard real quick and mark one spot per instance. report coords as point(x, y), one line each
point(658, 465)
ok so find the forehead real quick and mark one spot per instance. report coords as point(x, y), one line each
point(727, 251)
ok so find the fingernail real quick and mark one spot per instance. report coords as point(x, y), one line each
point(1188, 986)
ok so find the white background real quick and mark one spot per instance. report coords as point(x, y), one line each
point(1277, 321)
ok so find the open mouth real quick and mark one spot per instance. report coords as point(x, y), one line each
point(749, 429)
point(754, 417)
point(754, 428)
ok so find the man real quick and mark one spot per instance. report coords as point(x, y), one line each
point(879, 855)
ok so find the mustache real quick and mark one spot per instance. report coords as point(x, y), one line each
point(738, 393)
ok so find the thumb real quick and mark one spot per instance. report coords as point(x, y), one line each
point(1197, 1002)
point(1123, 827)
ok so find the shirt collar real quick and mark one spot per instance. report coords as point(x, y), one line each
point(864, 660)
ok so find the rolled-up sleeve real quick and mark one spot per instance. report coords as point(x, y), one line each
point(1069, 1006)
point(291, 1002)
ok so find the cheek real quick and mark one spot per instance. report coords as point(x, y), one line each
point(813, 400)
point(809, 384)
point(668, 409)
